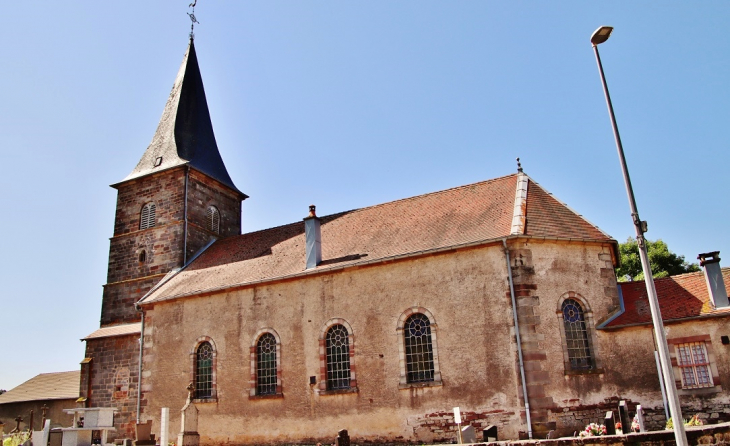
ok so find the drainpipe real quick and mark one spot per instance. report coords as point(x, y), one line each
point(139, 370)
point(519, 342)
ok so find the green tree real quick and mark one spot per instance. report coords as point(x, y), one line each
point(663, 261)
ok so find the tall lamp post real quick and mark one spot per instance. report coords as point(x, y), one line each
point(599, 36)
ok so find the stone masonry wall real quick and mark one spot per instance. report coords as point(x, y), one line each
point(113, 374)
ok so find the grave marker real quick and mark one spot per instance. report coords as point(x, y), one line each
point(623, 414)
point(610, 424)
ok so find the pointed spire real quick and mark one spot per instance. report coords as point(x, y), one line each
point(185, 132)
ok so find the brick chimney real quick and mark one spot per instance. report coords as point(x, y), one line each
point(710, 261)
point(314, 239)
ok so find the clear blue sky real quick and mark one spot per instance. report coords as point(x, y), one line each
point(346, 104)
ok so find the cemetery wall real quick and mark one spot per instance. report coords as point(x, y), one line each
point(466, 292)
point(113, 378)
point(10, 411)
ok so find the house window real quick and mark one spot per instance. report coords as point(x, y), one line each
point(266, 365)
point(694, 365)
point(204, 371)
point(576, 336)
point(213, 219)
point(147, 216)
point(338, 358)
point(419, 349)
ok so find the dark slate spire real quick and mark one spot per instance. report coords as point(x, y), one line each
point(185, 133)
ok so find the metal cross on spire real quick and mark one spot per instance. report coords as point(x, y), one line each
point(192, 19)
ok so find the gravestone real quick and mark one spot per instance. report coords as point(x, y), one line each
point(610, 424)
point(467, 435)
point(40, 438)
point(188, 435)
point(343, 439)
point(143, 433)
point(640, 416)
point(623, 414)
point(490, 433)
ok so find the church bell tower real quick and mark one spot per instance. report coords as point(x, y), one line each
point(175, 202)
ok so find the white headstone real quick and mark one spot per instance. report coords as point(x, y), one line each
point(40, 438)
point(468, 435)
point(457, 415)
point(640, 416)
point(164, 426)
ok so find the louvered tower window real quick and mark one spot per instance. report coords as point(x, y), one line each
point(147, 217)
point(213, 219)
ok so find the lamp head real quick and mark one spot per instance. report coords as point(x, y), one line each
point(601, 35)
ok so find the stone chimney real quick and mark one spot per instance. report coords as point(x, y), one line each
point(314, 239)
point(713, 275)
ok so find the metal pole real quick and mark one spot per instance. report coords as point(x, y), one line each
point(679, 433)
point(661, 384)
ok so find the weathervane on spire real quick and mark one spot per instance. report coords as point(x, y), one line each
point(192, 19)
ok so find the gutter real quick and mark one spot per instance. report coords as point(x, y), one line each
point(519, 342)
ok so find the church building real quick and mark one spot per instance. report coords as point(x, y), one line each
point(494, 297)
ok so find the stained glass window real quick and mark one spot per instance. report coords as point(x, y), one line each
point(576, 336)
point(419, 349)
point(266, 365)
point(204, 371)
point(338, 358)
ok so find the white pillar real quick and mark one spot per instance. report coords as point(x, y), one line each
point(164, 426)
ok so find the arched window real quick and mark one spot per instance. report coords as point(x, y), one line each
point(577, 339)
point(338, 358)
point(419, 365)
point(419, 349)
point(213, 219)
point(147, 216)
point(204, 371)
point(266, 360)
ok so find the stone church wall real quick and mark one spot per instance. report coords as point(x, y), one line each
point(465, 291)
point(110, 379)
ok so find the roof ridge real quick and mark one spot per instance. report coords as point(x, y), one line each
point(379, 204)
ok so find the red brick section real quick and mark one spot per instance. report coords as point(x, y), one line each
point(680, 297)
point(112, 359)
point(462, 215)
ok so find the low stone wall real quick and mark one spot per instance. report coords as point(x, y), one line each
point(716, 434)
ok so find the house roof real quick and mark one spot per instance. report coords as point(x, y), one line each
point(471, 214)
point(185, 135)
point(680, 297)
point(46, 386)
point(115, 330)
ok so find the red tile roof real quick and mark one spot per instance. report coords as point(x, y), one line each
point(463, 215)
point(680, 297)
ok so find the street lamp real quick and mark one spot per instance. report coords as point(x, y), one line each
point(599, 36)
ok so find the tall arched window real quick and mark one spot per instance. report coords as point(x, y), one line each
point(147, 216)
point(576, 336)
point(204, 371)
point(419, 349)
point(213, 219)
point(338, 358)
point(266, 379)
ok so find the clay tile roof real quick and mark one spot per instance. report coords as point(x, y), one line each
point(680, 297)
point(115, 330)
point(463, 215)
point(46, 386)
